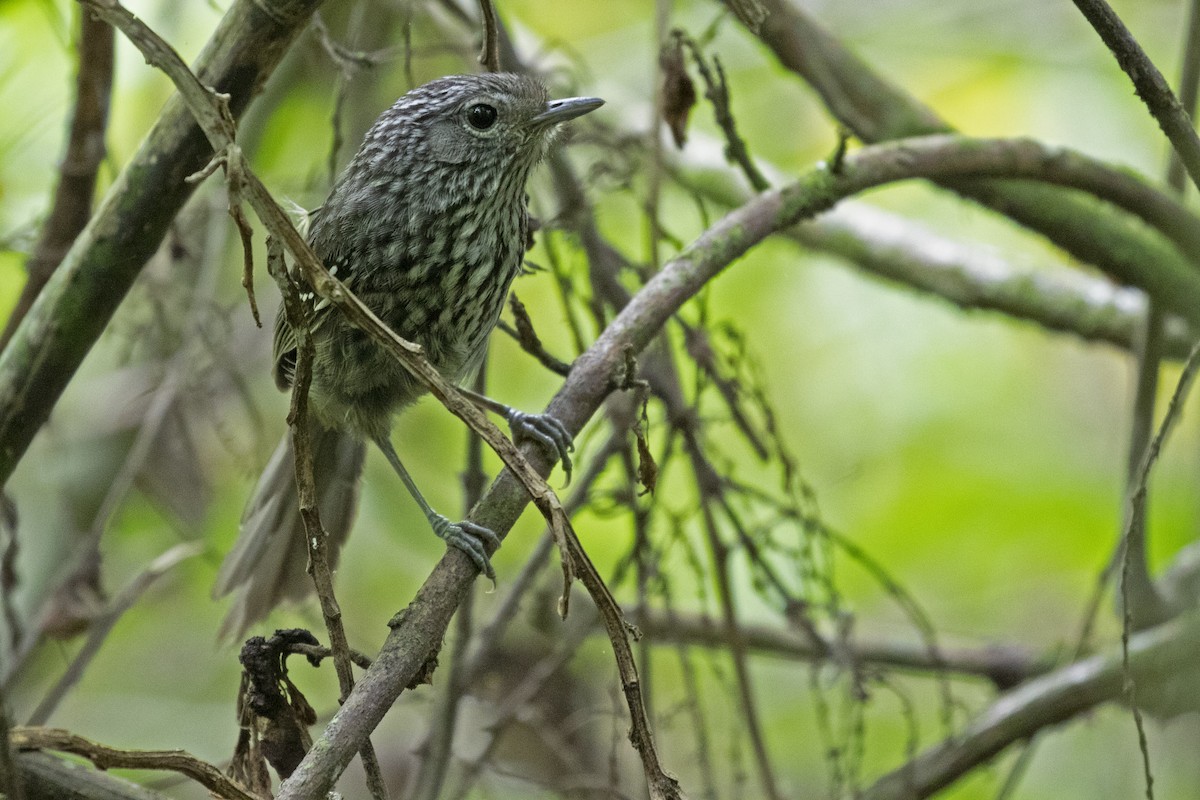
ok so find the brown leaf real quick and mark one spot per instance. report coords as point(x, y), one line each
point(678, 91)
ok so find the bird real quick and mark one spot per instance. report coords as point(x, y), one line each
point(428, 225)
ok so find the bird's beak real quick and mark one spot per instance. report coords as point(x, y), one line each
point(568, 108)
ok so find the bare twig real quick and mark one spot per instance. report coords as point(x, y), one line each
point(1005, 666)
point(129, 224)
point(737, 650)
point(105, 757)
point(527, 337)
point(717, 92)
point(1149, 83)
point(100, 628)
point(72, 205)
point(489, 54)
point(314, 533)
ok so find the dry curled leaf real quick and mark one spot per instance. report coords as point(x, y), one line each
point(678, 91)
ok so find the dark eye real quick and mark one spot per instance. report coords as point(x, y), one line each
point(481, 116)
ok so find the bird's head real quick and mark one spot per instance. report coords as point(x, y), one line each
point(497, 121)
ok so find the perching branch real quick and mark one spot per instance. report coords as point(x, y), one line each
point(593, 374)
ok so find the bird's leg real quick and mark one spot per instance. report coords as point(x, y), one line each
point(472, 539)
point(541, 428)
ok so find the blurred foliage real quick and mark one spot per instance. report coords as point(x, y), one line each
point(980, 460)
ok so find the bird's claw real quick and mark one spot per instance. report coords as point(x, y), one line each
point(546, 431)
point(470, 538)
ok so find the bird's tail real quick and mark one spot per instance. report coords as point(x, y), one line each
point(267, 563)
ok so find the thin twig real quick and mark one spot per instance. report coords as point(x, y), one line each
point(489, 54)
point(314, 533)
point(105, 757)
point(1149, 83)
point(437, 747)
point(72, 204)
point(717, 92)
point(737, 651)
point(99, 629)
point(1004, 666)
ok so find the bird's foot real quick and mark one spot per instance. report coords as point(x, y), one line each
point(546, 431)
point(472, 539)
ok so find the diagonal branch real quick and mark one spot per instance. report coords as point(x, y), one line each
point(1149, 83)
point(1155, 655)
point(594, 375)
point(108, 255)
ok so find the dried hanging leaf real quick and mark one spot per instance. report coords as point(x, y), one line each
point(678, 91)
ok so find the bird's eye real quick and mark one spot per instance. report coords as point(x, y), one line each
point(481, 116)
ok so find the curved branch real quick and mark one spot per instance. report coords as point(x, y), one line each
point(900, 250)
point(877, 110)
point(598, 371)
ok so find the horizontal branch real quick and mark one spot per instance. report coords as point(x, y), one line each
point(106, 757)
point(1004, 666)
point(600, 370)
point(1157, 656)
point(48, 777)
point(84, 292)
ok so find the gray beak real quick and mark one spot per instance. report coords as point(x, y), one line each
point(568, 108)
